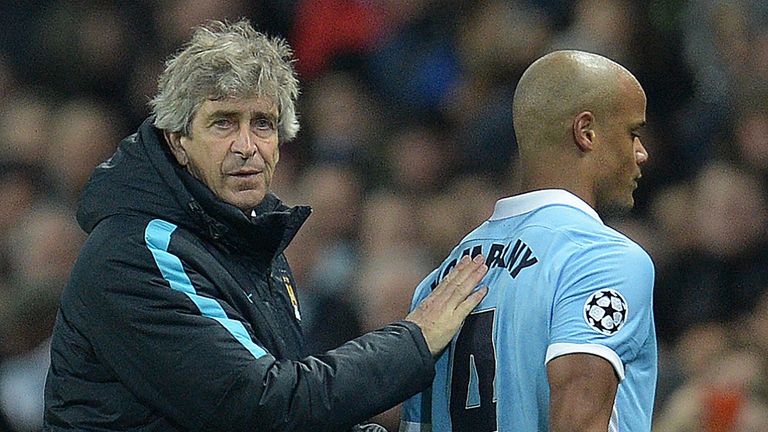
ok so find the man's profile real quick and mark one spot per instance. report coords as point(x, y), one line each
point(565, 338)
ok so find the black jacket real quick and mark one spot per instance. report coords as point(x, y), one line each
point(179, 315)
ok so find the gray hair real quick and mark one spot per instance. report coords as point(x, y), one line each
point(226, 60)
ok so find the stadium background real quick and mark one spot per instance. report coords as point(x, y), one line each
point(406, 144)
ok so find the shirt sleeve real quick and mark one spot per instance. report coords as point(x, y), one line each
point(604, 303)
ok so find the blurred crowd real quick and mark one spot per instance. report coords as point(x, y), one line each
point(406, 143)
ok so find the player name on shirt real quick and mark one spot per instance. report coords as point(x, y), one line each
point(512, 257)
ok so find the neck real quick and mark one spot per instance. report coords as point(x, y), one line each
point(555, 175)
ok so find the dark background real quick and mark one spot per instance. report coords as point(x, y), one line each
point(406, 143)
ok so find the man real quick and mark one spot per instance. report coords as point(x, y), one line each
point(565, 339)
point(181, 313)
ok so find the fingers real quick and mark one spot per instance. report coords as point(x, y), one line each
point(469, 277)
point(441, 313)
point(465, 308)
point(463, 270)
point(452, 276)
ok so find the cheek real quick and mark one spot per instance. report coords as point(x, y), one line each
point(631, 159)
point(213, 164)
point(273, 152)
point(624, 157)
point(195, 161)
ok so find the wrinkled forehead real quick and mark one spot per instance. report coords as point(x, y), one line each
point(235, 86)
point(233, 104)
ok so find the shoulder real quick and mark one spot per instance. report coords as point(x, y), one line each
point(127, 233)
point(613, 255)
point(572, 228)
point(126, 247)
point(580, 245)
point(112, 262)
point(114, 237)
point(610, 246)
point(585, 233)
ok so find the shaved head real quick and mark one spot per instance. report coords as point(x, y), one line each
point(577, 119)
point(557, 87)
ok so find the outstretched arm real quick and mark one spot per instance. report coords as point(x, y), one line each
point(191, 358)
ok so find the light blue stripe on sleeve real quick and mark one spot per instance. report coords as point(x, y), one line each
point(157, 236)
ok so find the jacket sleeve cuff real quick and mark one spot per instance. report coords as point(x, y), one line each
point(421, 344)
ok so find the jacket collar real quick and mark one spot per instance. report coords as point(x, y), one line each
point(267, 231)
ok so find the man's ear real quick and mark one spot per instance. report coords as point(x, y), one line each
point(174, 143)
point(583, 131)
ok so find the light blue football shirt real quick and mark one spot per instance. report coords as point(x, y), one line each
point(560, 282)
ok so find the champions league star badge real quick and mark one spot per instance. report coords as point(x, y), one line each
point(606, 311)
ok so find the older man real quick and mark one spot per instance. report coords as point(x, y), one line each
point(181, 312)
point(565, 339)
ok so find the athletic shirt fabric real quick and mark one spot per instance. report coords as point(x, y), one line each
point(560, 282)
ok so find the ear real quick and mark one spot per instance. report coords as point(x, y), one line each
point(583, 131)
point(174, 143)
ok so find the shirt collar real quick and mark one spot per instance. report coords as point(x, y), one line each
point(527, 202)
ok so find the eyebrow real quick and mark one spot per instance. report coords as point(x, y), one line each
point(640, 125)
point(221, 113)
point(234, 113)
point(262, 114)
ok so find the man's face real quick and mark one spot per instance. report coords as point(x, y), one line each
point(622, 154)
point(232, 148)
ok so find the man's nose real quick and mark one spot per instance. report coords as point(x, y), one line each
point(641, 154)
point(245, 143)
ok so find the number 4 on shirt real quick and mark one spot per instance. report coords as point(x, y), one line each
point(473, 398)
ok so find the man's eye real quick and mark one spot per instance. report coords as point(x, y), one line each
point(264, 124)
point(223, 123)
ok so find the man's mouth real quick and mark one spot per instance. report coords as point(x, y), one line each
point(245, 173)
